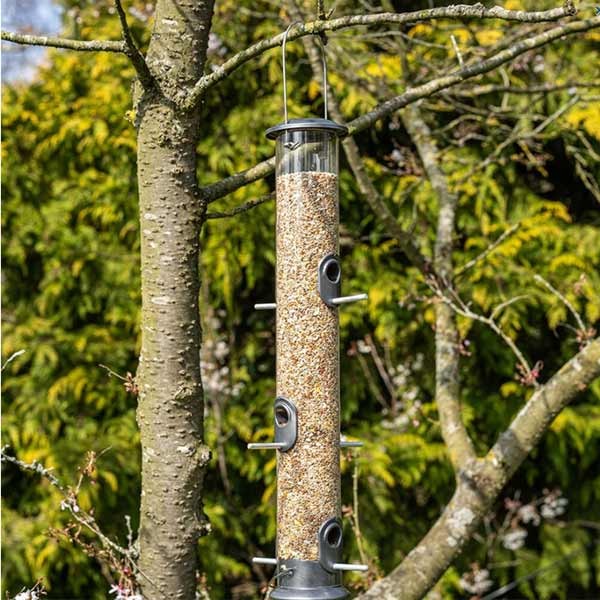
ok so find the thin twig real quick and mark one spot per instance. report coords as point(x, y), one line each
point(242, 208)
point(112, 373)
point(501, 592)
point(57, 42)
point(129, 531)
point(370, 380)
point(382, 372)
point(498, 309)
point(563, 299)
point(487, 251)
point(34, 467)
point(11, 358)
point(69, 503)
point(355, 516)
point(556, 114)
point(461, 62)
point(518, 137)
point(491, 88)
point(460, 308)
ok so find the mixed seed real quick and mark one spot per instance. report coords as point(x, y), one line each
point(308, 479)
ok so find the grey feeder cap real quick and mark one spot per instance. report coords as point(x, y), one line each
point(306, 124)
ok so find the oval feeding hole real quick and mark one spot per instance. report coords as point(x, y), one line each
point(282, 416)
point(332, 271)
point(334, 535)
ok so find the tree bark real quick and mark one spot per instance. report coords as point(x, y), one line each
point(447, 355)
point(170, 408)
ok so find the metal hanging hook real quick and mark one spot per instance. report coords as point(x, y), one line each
point(323, 58)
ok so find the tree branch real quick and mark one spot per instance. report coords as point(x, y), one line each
point(456, 304)
point(217, 190)
point(478, 68)
point(535, 417)
point(56, 42)
point(483, 255)
point(404, 239)
point(482, 480)
point(460, 11)
point(491, 88)
point(69, 501)
point(133, 52)
point(539, 279)
point(241, 208)
point(518, 136)
point(447, 354)
point(230, 184)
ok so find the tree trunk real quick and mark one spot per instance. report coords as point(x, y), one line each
point(170, 409)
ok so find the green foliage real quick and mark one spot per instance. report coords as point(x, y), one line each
point(71, 299)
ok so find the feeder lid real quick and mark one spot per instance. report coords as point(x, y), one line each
point(305, 124)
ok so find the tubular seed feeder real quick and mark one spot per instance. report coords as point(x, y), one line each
point(307, 408)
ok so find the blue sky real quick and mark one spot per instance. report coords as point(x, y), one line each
point(31, 16)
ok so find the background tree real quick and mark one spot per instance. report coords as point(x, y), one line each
point(519, 154)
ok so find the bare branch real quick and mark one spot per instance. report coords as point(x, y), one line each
point(482, 480)
point(383, 373)
point(214, 191)
point(460, 308)
point(460, 11)
point(34, 467)
point(355, 517)
point(404, 238)
point(447, 352)
point(500, 307)
point(461, 62)
point(112, 373)
point(563, 299)
point(229, 184)
point(373, 386)
point(137, 59)
point(491, 88)
point(481, 257)
point(69, 503)
point(472, 70)
point(538, 413)
point(242, 208)
point(518, 136)
point(56, 42)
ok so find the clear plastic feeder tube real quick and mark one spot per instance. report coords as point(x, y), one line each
point(308, 475)
point(307, 339)
point(309, 150)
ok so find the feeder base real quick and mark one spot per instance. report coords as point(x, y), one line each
point(307, 580)
point(324, 593)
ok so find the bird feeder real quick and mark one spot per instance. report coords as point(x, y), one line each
point(306, 413)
